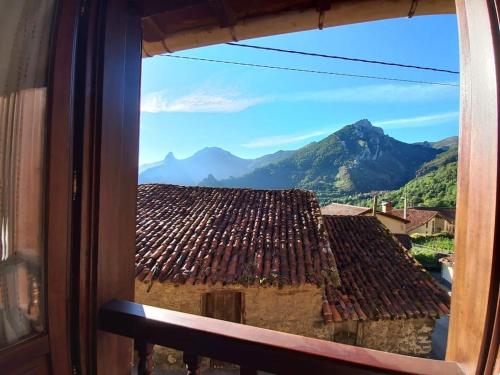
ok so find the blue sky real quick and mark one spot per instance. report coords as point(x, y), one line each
point(189, 105)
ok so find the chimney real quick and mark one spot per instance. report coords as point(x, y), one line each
point(386, 206)
point(405, 208)
point(374, 206)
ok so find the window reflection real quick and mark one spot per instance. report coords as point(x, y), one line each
point(25, 30)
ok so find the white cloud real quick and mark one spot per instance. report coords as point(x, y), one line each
point(279, 140)
point(198, 101)
point(224, 100)
point(417, 121)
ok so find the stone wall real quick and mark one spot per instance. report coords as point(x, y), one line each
point(405, 336)
point(289, 309)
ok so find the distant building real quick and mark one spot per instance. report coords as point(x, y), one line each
point(386, 300)
point(394, 223)
point(428, 220)
point(269, 259)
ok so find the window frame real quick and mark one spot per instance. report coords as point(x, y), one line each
point(478, 32)
point(106, 151)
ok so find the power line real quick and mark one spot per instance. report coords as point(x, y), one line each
point(343, 58)
point(309, 71)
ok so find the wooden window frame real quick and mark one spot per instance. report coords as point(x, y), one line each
point(471, 341)
point(95, 161)
point(49, 351)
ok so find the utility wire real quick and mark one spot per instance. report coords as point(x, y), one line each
point(343, 58)
point(309, 71)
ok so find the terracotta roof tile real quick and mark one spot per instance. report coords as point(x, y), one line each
point(343, 209)
point(379, 279)
point(404, 239)
point(347, 209)
point(416, 217)
point(210, 235)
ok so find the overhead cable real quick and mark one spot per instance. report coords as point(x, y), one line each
point(309, 71)
point(343, 58)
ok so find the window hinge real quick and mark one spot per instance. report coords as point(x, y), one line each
point(75, 185)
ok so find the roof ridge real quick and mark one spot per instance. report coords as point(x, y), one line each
point(224, 235)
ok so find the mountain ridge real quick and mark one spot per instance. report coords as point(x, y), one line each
point(346, 167)
point(357, 158)
point(209, 161)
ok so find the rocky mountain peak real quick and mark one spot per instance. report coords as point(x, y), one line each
point(170, 156)
point(365, 125)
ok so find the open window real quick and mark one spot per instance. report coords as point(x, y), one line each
point(90, 186)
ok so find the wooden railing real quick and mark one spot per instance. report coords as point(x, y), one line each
point(250, 347)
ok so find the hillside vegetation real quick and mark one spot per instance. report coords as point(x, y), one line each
point(435, 189)
point(429, 249)
point(348, 166)
point(442, 242)
point(434, 186)
point(357, 158)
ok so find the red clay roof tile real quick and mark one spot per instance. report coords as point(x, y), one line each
point(379, 279)
point(343, 209)
point(418, 216)
point(210, 235)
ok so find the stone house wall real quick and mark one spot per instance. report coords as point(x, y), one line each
point(289, 309)
point(403, 336)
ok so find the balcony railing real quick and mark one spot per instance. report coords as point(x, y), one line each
point(250, 347)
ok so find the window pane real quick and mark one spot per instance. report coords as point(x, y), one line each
point(25, 30)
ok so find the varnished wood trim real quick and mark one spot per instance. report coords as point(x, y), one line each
point(16, 356)
point(59, 186)
point(116, 159)
point(273, 18)
point(475, 287)
point(253, 347)
point(151, 7)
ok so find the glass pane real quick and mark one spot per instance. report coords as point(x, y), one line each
point(25, 30)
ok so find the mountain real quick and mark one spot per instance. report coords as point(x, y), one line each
point(357, 158)
point(442, 159)
point(143, 167)
point(268, 159)
point(443, 144)
point(435, 185)
point(446, 143)
point(437, 188)
point(210, 161)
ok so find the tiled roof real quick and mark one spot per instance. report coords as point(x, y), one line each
point(343, 209)
point(416, 217)
point(404, 239)
point(447, 213)
point(347, 209)
point(188, 235)
point(379, 279)
point(390, 215)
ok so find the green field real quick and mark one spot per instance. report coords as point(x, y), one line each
point(427, 249)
